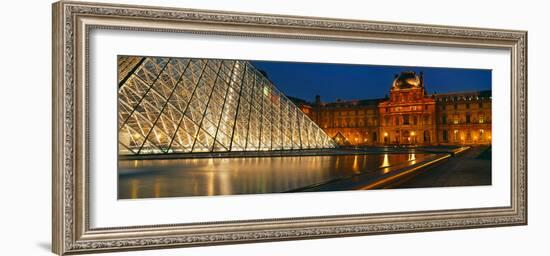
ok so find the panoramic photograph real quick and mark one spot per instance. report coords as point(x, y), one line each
point(207, 127)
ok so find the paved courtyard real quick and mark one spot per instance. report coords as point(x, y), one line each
point(470, 168)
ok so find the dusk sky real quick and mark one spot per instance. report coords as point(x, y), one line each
point(346, 82)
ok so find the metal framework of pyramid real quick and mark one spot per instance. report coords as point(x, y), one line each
point(182, 105)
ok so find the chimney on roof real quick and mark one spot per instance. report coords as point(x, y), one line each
point(317, 100)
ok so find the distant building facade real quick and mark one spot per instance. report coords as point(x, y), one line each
point(409, 116)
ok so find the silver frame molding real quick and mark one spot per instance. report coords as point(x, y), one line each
point(72, 22)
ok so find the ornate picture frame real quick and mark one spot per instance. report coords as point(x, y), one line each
point(72, 23)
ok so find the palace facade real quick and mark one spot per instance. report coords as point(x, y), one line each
point(409, 116)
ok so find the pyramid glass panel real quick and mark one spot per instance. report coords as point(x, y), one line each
point(182, 105)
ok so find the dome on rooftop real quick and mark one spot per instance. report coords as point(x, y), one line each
point(407, 80)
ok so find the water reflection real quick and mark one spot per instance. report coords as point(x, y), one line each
point(385, 164)
point(250, 175)
point(412, 158)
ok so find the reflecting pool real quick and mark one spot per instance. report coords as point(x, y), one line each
point(247, 175)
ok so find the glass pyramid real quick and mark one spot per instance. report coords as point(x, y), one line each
point(182, 105)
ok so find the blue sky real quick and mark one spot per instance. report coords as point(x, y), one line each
point(346, 82)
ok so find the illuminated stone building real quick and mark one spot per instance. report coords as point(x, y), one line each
point(347, 122)
point(464, 118)
point(409, 116)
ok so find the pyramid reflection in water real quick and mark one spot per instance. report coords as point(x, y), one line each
point(181, 105)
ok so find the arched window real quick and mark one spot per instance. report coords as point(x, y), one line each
point(455, 135)
point(427, 136)
point(455, 119)
point(481, 134)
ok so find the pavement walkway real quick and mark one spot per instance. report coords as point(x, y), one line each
point(470, 168)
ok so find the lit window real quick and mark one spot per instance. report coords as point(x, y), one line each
point(456, 135)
